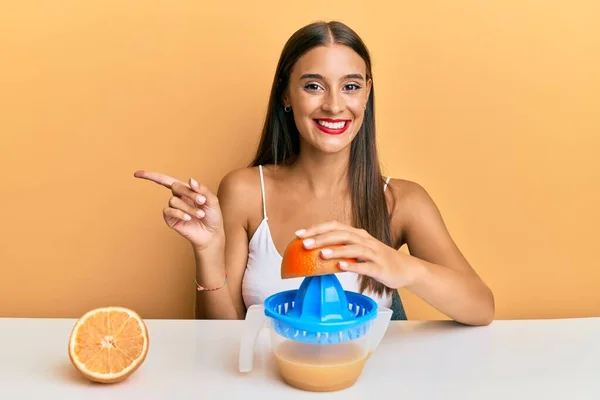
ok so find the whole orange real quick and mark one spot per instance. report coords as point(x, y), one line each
point(300, 262)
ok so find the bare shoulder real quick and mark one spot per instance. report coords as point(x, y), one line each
point(239, 193)
point(408, 193)
point(239, 181)
point(410, 203)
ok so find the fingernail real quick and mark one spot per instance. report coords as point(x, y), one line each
point(308, 242)
point(200, 199)
point(200, 213)
point(187, 217)
point(326, 252)
point(194, 183)
point(343, 264)
point(299, 232)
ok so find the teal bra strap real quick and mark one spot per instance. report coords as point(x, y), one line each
point(398, 312)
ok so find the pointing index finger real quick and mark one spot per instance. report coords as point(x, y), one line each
point(156, 177)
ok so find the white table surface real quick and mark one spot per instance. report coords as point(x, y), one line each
point(193, 359)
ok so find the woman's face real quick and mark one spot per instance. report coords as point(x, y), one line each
point(328, 92)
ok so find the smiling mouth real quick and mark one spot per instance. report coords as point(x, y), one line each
point(332, 127)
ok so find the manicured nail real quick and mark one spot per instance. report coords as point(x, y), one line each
point(186, 217)
point(326, 252)
point(308, 242)
point(194, 183)
point(343, 264)
point(299, 232)
point(200, 213)
point(200, 199)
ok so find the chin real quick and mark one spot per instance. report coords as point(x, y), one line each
point(331, 145)
point(331, 149)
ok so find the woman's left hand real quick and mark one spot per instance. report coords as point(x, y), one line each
point(375, 259)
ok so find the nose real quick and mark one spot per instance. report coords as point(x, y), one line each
point(333, 102)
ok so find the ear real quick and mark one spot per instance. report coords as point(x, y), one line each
point(368, 87)
point(285, 100)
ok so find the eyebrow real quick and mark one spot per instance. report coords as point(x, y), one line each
point(319, 76)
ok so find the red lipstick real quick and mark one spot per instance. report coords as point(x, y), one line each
point(332, 131)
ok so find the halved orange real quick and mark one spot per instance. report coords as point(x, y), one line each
point(300, 262)
point(108, 344)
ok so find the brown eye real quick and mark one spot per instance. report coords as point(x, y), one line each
point(311, 86)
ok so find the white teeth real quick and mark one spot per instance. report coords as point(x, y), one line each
point(332, 125)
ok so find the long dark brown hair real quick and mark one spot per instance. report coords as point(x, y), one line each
point(280, 140)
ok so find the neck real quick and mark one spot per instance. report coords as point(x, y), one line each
point(325, 174)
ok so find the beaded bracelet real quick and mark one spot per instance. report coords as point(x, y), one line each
point(201, 288)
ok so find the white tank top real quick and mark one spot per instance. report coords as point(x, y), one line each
point(262, 276)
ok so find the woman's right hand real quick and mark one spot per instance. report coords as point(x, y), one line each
point(193, 211)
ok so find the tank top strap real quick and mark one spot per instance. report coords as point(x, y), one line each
point(262, 191)
point(387, 181)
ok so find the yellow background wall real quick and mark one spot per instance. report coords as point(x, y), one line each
point(494, 108)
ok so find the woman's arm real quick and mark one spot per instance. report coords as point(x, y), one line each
point(206, 221)
point(436, 271)
point(210, 273)
point(227, 302)
point(441, 275)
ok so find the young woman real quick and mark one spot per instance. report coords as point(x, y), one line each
point(316, 175)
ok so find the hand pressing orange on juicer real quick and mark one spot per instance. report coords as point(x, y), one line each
point(301, 262)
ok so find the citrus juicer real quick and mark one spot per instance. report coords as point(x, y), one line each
point(318, 319)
